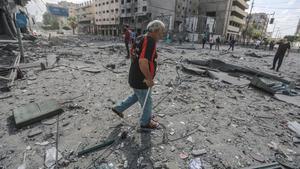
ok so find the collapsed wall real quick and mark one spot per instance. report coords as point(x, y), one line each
point(8, 9)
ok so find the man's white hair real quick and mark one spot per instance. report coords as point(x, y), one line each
point(155, 25)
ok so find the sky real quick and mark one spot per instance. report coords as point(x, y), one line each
point(287, 13)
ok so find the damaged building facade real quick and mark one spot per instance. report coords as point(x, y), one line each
point(138, 13)
point(8, 9)
point(229, 15)
point(107, 17)
point(86, 17)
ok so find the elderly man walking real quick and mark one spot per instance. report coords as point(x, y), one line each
point(141, 74)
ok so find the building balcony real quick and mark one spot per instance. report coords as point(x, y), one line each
point(233, 28)
point(237, 20)
point(85, 19)
point(242, 3)
point(239, 10)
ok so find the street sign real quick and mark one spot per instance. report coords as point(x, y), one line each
point(58, 11)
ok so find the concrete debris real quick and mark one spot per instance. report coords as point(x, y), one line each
point(226, 67)
point(190, 139)
point(274, 165)
point(34, 112)
point(294, 100)
point(252, 54)
point(50, 158)
point(198, 152)
point(171, 165)
point(92, 70)
point(49, 122)
point(296, 140)
point(206, 107)
point(42, 143)
point(195, 164)
point(34, 133)
point(274, 87)
point(295, 127)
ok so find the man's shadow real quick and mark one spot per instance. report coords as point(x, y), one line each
point(138, 151)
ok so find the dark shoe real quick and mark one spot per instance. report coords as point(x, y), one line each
point(117, 113)
point(277, 70)
point(272, 68)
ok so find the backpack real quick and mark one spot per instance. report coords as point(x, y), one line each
point(136, 47)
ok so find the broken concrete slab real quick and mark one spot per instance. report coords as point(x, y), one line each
point(171, 165)
point(91, 70)
point(34, 133)
point(229, 79)
point(252, 54)
point(295, 127)
point(217, 75)
point(49, 122)
point(220, 65)
point(274, 165)
point(193, 71)
point(273, 86)
point(294, 100)
point(34, 112)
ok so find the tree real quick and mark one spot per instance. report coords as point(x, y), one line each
point(50, 21)
point(292, 38)
point(73, 23)
point(252, 32)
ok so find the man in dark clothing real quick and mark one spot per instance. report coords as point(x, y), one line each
point(272, 44)
point(284, 47)
point(127, 39)
point(218, 42)
point(203, 42)
point(231, 44)
point(141, 74)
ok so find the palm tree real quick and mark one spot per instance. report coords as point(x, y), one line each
point(73, 23)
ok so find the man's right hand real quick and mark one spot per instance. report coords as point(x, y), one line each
point(149, 83)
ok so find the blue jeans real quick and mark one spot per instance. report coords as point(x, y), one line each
point(138, 95)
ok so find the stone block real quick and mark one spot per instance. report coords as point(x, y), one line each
point(34, 112)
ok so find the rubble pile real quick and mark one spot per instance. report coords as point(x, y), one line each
point(210, 114)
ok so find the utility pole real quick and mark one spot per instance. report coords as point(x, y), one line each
point(248, 20)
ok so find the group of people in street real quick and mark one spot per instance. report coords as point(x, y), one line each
point(143, 68)
point(217, 42)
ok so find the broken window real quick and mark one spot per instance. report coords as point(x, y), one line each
point(144, 8)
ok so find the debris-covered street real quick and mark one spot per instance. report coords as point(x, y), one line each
point(209, 116)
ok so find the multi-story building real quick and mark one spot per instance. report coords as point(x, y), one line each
point(107, 18)
point(260, 22)
point(70, 6)
point(229, 16)
point(184, 9)
point(138, 13)
point(297, 33)
point(86, 17)
point(63, 18)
